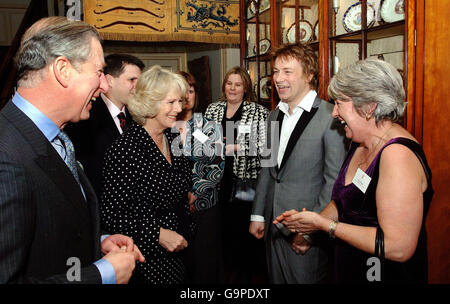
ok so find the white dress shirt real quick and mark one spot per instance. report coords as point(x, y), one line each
point(289, 123)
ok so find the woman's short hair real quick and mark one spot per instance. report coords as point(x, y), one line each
point(305, 55)
point(151, 88)
point(49, 38)
point(371, 81)
point(247, 82)
point(190, 79)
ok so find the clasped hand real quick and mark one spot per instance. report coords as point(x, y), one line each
point(122, 253)
point(299, 223)
point(304, 222)
point(171, 240)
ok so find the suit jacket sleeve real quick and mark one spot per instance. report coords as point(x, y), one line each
point(264, 178)
point(334, 154)
point(17, 224)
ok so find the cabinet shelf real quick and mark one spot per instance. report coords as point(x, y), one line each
point(261, 18)
point(265, 57)
point(373, 33)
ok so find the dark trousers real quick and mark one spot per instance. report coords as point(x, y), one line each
point(204, 261)
point(244, 255)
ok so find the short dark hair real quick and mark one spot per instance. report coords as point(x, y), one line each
point(116, 62)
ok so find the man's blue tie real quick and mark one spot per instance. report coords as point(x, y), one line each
point(70, 154)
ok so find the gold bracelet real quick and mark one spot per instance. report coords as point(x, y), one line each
point(332, 229)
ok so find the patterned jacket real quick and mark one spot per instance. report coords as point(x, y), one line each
point(207, 158)
point(251, 136)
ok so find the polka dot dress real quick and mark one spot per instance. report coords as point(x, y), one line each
point(143, 192)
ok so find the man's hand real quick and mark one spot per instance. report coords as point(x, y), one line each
point(117, 242)
point(171, 241)
point(257, 229)
point(123, 262)
point(299, 244)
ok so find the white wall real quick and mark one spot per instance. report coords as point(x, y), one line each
point(220, 61)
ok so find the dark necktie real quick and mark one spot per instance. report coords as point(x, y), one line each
point(123, 121)
point(69, 158)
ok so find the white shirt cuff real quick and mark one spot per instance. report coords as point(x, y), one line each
point(256, 218)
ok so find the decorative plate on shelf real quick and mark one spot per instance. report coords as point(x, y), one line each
point(264, 46)
point(265, 87)
point(265, 5)
point(316, 30)
point(352, 17)
point(305, 32)
point(251, 10)
point(392, 10)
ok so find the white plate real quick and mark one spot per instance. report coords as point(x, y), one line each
point(265, 4)
point(352, 17)
point(392, 10)
point(251, 10)
point(264, 46)
point(265, 87)
point(305, 32)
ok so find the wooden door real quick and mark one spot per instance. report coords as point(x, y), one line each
point(431, 114)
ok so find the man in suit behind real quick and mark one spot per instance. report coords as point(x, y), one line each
point(93, 137)
point(306, 152)
point(49, 220)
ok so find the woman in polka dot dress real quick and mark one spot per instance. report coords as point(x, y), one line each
point(146, 184)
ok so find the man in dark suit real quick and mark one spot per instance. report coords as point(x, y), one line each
point(109, 116)
point(49, 220)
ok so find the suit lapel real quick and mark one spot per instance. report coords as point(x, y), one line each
point(92, 201)
point(276, 146)
point(297, 132)
point(104, 120)
point(128, 116)
point(46, 156)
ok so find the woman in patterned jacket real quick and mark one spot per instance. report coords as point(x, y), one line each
point(203, 145)
point(243, 126)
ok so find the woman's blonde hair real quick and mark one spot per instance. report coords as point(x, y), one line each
point(151, 88)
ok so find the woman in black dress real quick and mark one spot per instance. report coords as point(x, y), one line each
point(242, 121)
point(145, 185)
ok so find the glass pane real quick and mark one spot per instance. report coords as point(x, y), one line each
point(390, 49)
point(265, 80)
point(253, 72)
point(347, 15)
point(344, 54)
point(251, 38)
point(299, 20)
point(251, 9)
